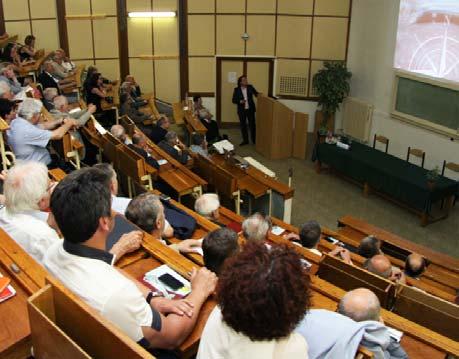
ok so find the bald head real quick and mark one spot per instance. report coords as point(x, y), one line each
point(379, 265)
point(360, 304)
point(414, 265)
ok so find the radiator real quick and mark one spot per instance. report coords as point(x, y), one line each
point(357, 117)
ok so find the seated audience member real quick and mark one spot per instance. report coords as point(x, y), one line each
point(5, 91)
point(139, 145)
point(59, 71)
point(28, 138)
point(415, 265)
point(363, 305)
point(207, 205)
point(48, 96)
point(129, 89)
point(65, 61)
point(62, 110)
point(205, 116)
point(119, 132)
point(8, 76)
point(147, 212)
point(174, 147)
point(309, 236)
point(11, 55)
point(217, 246)
point(381, 266)
point(256, 227)
point(8, 110)
point(120, 204)
point(369, 247)
point(199, 145)
point(27, 52)
point(47, 78)
point(262, 295)
point(81, 207)
point(136, 93)
point(128, 108)
point(27, 190)
point(160, 129)
point(95, 91)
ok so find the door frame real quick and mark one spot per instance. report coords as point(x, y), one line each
point(244, 60)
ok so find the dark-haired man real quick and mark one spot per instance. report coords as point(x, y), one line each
point(217, 246)
point(160, 129)
point(369, 247)
point(308, 237)
point(81, 204)
point(243, 98)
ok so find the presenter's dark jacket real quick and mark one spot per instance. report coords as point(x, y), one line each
point(238, 97)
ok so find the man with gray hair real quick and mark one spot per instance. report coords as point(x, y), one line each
point(5, 91)
point(119, 132)
point(7, 75)
point(62, 110)
point(48, 96)
point(28, 138)
point(27, 191)
point(208, 206)
point(256, 227)
point(174, 147)
point(363, 305)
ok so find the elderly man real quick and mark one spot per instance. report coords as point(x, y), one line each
point(369, 247)
point(381, 266)
point(5, 91)
point(47, 78)
point(27, 190)
point(415, 265)
point(62, 110)
point(363, 305)
point(28, 138)
point(208, 206)
point(139, 145)
point(8, 76)
point(119, 132)
point(174, 147)
point(256, 227)
point(160, 129)
point(82, 264)
point(147, 212)
point(48, 96)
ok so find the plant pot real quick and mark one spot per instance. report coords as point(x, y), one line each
point(430, 184)
point(319, 119)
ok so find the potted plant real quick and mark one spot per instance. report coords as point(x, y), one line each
point(432, 177)
point(331, 84)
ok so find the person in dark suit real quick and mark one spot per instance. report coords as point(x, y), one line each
point(243, 98)
point(174, 147)
point(138, 145)
point(159, 130)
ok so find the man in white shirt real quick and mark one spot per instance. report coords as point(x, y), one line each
point(81, 205)
point(26, 190)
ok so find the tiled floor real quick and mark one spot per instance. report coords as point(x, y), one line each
point(326, 198)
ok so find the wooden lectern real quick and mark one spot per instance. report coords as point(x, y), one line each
point(276, 138)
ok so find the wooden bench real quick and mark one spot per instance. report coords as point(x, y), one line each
point(8, 158)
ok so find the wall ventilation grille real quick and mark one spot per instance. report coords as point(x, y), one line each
point(293, 85)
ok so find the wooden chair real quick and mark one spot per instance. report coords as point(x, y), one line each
point(428, 311)
point(128, 124)
point(452, 167)
point(349, 277)
point(179, 114)
point(417, 153)
point(381, 139)
point(8, 158)
point(63, 326)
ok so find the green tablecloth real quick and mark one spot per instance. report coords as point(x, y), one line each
point(388, 174)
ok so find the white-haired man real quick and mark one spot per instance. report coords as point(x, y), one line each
point(256, 227)
point(27, 190)
point(8, 76)
point(48, 96)
point(208, 206)
point(28, 138)
point(119, 132)
point(5, 91)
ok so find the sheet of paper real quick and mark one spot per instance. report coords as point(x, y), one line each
point(232, 77)
point(277, 230)
point(152, 278)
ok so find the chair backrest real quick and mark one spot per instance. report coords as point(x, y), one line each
point(110, 148)
point(417, 153)
point(224, 183)
point(128, 125)
point(381, 139)
point(63, 326)
point(179, 114)
point(429, 311)
point(450, 166)
point(349, 277)
point(130, 163)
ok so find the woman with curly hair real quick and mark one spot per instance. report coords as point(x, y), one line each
point(262, 295)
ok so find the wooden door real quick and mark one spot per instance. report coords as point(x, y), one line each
point(259, 72)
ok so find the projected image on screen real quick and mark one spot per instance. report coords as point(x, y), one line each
point(428, 38)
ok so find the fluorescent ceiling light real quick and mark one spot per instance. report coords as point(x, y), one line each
point(152, 14)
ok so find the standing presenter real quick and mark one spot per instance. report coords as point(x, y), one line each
point(243, 98)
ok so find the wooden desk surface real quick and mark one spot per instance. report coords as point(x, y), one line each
point(195, 124)
point(439, 259)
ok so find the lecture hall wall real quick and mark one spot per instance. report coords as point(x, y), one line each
point(371, 55)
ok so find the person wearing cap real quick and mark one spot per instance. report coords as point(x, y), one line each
point(28, 138)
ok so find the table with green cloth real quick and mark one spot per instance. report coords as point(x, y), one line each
point(400, 180)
